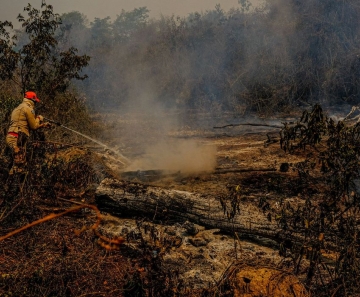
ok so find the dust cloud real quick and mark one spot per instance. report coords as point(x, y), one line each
point(154, 136)
point(184, 155)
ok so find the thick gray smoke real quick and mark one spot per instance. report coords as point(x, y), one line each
point(161, 75)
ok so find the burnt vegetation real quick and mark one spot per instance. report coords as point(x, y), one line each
point(327, 222)
point(284, 56)
point(277, 57)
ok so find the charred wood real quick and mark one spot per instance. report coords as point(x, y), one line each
point(129, 199)
point(235, 170)
point(248, 124)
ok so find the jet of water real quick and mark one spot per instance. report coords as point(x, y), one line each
point(125, 161)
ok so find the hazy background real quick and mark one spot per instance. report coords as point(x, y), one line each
point(157, 150)
point(9, 9)
point(190, 66)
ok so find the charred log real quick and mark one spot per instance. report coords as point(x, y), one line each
point(247, 124)
point(129, 199)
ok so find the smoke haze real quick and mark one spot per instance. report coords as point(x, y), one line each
point(186, 156)
point(104, 8)
point(209, 62)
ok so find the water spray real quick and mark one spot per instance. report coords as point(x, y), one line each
point(92, 139)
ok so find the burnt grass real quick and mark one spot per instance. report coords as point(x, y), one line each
point(63, 256)
point(276, 183)
point(54, 258)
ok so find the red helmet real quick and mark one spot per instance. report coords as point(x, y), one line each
point(32, 96)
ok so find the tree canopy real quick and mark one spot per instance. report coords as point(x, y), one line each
point(278, 56)
point(38, 63)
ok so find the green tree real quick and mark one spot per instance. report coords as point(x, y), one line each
point(101, 33)
point(74, 30)
point(129, 22)
point(8, 57)
point(39, 64)
point(245, 5)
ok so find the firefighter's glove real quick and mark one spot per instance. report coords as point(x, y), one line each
point(46, 125)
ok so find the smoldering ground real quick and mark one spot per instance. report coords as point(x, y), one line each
point(154, 137)
point(185, 156)
point(260, 61)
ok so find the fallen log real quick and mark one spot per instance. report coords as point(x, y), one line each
point(239, 170)
point(129, 199)
point(248, 124)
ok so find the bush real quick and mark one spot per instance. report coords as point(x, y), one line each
point(38, 62)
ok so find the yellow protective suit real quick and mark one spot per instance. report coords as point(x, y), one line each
point(23, 120)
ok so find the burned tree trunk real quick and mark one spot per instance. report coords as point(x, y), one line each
point(123, 198)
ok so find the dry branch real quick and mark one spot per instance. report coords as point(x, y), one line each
point(94, 227)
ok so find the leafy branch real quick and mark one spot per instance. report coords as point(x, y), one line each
point(39, 64)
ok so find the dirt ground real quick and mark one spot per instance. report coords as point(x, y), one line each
point(197, 159)
point(207, 161)
point(241, 156)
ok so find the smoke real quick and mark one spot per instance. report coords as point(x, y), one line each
point(157, 81)
point(185, 156)
point(155, 74)
point(150, 136)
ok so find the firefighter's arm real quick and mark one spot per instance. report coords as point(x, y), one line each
point(34, 122)
point(43, 124)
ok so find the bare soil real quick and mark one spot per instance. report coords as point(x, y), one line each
point(212, 162)
point(246, 158)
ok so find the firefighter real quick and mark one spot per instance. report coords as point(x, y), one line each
point(23, 119)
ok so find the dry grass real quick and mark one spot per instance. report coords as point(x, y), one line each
point(51, 260)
